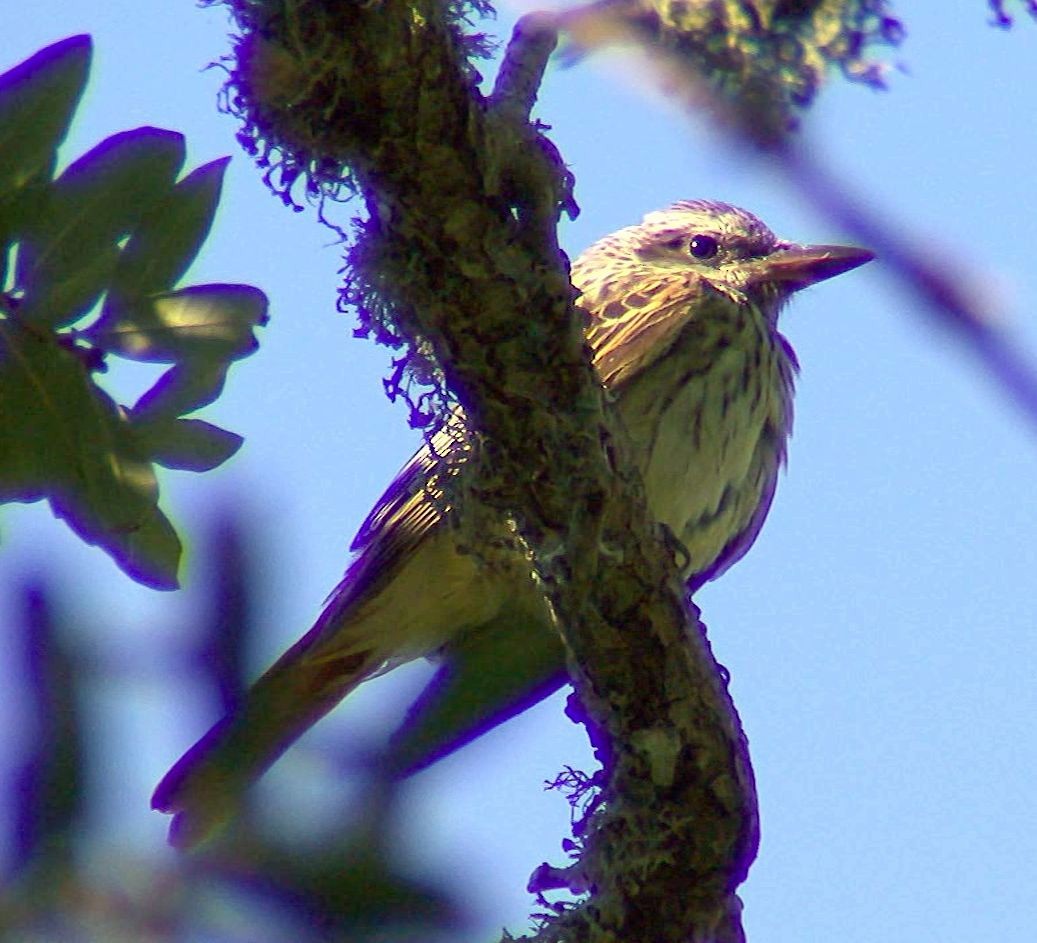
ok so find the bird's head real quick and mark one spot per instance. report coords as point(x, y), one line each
point(725, 248)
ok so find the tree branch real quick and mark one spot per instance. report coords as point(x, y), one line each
point(463, 195)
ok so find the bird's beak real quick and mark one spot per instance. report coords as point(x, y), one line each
point(795, 267)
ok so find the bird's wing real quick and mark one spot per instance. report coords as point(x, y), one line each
point(629, 331)
point(410, 507)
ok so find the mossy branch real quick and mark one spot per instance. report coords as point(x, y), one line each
point(459, 256)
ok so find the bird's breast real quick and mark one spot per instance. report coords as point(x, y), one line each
point(710, 420)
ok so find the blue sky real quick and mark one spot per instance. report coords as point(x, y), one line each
point(880, 635)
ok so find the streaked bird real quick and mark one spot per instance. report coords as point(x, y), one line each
point(682, 315)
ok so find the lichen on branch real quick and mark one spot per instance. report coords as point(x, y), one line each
point(754, 64)
point(458, 258)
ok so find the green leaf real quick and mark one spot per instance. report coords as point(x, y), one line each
point(129, 527)
point(37, 100)
point(63, 438)
point(17, 209)
point(67, 255)
point(493, 675)
point(165, 244)
point(209, 321)
point(183, 388)
point(187, 444)
point(58, 298)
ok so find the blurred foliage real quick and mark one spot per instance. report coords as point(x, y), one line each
point(116, 231)
point(259, 883)
point(759, 62)
point(1003, 18)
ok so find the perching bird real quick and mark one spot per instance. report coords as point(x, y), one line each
point(682, 315)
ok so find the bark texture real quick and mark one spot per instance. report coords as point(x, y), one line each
point(459, 256)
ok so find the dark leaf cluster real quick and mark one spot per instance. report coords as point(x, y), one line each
point(89, 266)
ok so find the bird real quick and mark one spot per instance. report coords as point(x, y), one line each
point(681, 321)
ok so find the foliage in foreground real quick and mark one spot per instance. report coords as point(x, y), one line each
point(115, 231)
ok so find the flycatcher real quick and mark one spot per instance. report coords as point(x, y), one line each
point(682, 323)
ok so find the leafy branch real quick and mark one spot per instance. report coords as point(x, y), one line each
point(115, 231)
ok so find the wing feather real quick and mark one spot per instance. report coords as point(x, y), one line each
point(629, 331)
point(407, 511)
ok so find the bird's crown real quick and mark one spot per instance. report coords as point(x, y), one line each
point(731, 227)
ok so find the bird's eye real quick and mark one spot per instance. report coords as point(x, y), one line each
point(703, 247)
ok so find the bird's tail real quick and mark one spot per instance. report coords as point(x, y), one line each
point(205, 787)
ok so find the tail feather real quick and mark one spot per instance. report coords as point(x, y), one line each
point(206, 785)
